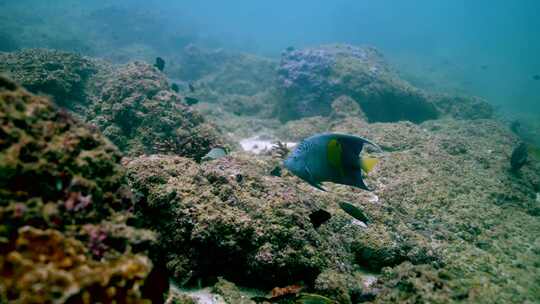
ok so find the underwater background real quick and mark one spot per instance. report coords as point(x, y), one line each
point(142, 148)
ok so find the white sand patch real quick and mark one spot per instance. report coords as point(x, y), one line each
point(257, 145)
point(373, 198)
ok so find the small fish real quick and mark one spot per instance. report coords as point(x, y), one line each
point(319, 217)
point(191, 88)
point(536, 77)
point(175, 87)
point(519, 157)
point(191, 100)
point(160, 63)
point(484, 67)
point(331, 157)
point(354, 211)
point(215, 153)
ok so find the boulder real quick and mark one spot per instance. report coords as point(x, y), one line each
point(311, 78)
point(64, 211)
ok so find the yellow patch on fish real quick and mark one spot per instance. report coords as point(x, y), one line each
point(368, 163)
point(334, 155)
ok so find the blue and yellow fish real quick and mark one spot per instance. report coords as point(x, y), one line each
point(331, 157)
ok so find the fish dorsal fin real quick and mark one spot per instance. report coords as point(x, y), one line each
point(368, 163)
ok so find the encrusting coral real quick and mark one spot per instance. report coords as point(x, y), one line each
point(59, 74)
point(44, 266)
point(133, 104)
point(63, 207)
point(135, 108)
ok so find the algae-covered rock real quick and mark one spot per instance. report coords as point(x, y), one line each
point(229, 217)
point(450, 181)
point(44, 266)
point(416, 284)
point(345, 288)
point(54, 170)
point(230, 292)
point(59, 74)
point(242, 84)
point(311, 78)
point(463, 107)
point(134, 106)
point(58, 174)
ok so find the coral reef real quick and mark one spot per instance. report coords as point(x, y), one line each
point(132, 104)
point(312, 77)
point(231, 218)
point(44, 266)
point(59, 74)
point(448, 220)
point(55, 170)
point(135, 108)
point(242, 84)
point(463, 107)
point(58, 174)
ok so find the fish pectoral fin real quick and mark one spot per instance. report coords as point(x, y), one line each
point(318, 186)
point(312, 180)
point(368, 163)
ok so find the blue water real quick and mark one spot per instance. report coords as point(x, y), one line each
point(485, 48)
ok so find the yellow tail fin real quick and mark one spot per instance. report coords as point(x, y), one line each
point(368, 163)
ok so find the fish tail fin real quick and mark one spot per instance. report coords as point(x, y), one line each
point(368, 163)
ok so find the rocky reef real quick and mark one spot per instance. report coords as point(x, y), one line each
point(241, 84)
point(58, 74)
point(134, 106)
point(131, 104)
point(448, 220)
point(64, 210)
point(232, 218)
point(311, 78)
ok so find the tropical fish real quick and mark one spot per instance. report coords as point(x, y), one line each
point(191, 100)
point(331, 157)
point(319, 217)
point(160, 64)
point(536, 77)
point(175, 87)
point(519, 157)
point(354, 211)
point(191, 88)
